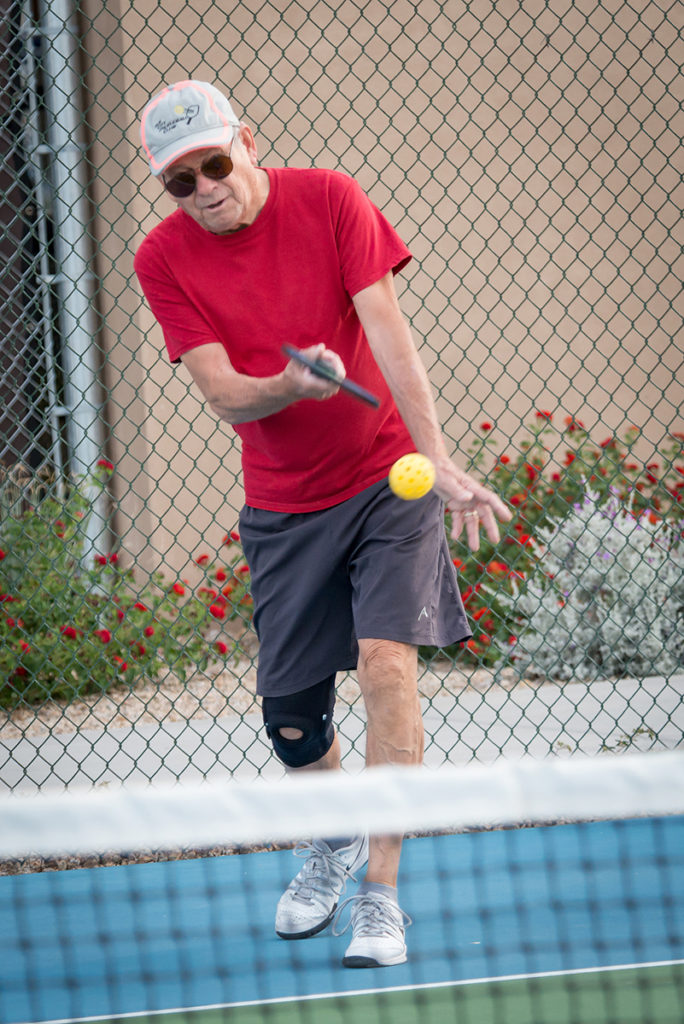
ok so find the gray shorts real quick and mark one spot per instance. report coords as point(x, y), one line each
point(371, 567)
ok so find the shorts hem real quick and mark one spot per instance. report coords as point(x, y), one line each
point(421, 641)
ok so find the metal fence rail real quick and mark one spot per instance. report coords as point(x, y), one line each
point(530, 156)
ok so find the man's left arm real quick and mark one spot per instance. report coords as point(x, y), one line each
point(393, 347)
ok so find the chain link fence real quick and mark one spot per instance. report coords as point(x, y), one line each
point(530, 156)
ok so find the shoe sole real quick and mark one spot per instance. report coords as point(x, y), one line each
point(309, 931)
point(368, 961)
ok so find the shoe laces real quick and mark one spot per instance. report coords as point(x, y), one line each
point(323, 871)
point(373, 913)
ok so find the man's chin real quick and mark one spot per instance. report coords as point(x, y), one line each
point(219, 220)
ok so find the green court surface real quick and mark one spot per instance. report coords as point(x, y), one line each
point(629, 995)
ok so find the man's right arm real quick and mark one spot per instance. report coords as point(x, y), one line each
point(238, 398)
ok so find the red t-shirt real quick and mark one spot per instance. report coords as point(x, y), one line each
point(288, 277)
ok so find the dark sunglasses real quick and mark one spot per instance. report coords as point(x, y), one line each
point(182, 184)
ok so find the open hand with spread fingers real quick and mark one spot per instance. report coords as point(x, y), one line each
point(471, 504)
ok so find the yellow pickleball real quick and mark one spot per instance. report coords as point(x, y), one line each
point(412, 476)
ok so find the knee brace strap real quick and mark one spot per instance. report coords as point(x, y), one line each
point(310, 711)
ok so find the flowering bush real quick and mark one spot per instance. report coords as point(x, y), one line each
point(606, 594)
point(541, 480)
point(68, 629)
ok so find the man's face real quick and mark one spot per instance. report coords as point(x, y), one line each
point(223, 205)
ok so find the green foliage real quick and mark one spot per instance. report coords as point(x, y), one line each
point(541, 480)
point(68, 629)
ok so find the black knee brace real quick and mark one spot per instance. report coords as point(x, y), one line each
point(310, 711)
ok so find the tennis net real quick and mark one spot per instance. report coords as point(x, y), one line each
point(539, 891)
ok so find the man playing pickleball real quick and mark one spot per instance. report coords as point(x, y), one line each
point(344, 574)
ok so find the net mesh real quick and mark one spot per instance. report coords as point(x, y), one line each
point(538, 891)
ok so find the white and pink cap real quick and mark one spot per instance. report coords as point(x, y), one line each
point(183, 117)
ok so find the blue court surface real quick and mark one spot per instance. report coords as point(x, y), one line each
point(553, 924)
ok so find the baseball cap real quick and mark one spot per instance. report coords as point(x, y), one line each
point(182, 117)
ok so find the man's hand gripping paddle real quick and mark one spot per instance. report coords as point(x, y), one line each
point(323, 369)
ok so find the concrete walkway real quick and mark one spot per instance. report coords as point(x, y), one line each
point(485, 724)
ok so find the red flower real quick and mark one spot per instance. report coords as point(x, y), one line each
point(104, 559)
point(572, 424)
point(505, 459)
point(497, 567)
point(119, 614)
point(149, 630)
point(178, 588)
point(232, 536)
point(104, 635)
point(517, 499)
point(243, 569)
point(218, 611)
point(105, 464)
point(221, 647)
point(569, 458)
point(556, 477)
point(69, 632)
point(221, 575)
point(2, 554)
point(202, 559)
point(24, 646)
point(486, 425)
point(543, 414)
point(140, 606)
point(123, 665)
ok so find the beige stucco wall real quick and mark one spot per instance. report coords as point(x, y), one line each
point(537, 189)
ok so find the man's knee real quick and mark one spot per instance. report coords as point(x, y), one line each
point(300, 725)
point(387, 664)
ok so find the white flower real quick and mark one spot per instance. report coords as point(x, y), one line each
point(607, 597)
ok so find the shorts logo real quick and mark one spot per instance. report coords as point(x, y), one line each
point(423, 613)
point(184, 115)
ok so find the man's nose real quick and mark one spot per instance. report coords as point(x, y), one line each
point(203, 184)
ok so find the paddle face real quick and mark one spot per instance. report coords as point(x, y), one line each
point(322, 369)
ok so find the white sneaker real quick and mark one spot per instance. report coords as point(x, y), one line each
point(308, 904)
point(378, 925)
